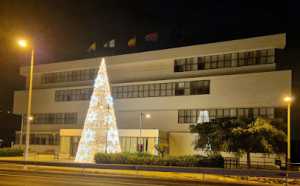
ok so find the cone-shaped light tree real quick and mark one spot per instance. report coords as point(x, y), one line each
point(100, 132)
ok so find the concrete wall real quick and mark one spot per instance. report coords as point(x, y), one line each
point(157, 65)
point(182, 143)
point(265, 89)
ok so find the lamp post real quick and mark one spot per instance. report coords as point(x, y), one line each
point(24, 44)
point(21, 132)
point(142, 115)
point(288, 100)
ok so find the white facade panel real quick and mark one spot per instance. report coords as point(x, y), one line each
point(230, 91)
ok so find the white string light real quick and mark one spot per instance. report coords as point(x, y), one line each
point(100, 133)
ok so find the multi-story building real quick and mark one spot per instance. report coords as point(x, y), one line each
point(230, 78)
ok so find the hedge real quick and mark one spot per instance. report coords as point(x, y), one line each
point(146, 159)
point(11, 152)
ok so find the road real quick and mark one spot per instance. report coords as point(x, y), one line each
point(24, 178)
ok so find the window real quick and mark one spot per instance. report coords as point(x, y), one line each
point(225, 60)
point(132, 144)
point(159, 89)
point(73, 94)
point(179, 65)
point(40, 138)
point(78, 75)
point(179, 89)
point(55, 118)
point(185, 64)
point(190, 116)
point(201, 63)
point(199, 87)
point(181, 116)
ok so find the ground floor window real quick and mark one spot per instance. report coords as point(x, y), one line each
point(137, 144)
point(40, 139)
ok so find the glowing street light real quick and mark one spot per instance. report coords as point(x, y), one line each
point(24, 44)
point(147, 116)
point(30, 118)
point(288, 100)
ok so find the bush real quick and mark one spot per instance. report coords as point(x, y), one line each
point(147, 159)
point(11, 152)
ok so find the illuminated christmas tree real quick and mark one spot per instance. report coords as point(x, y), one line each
point(100, 132)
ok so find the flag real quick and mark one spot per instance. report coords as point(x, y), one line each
point(109, 44)
point(92, 47)
point(132, 42)
point(151, 37)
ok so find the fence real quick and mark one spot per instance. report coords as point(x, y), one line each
point(262, 163)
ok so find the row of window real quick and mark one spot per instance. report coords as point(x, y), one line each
point(68, 76)
point(180, 65)
point(73, 94)
point(144, 90)
point(136, 144)
point(192, 115)
point(225, 60)
point(162, 89)
point(55, 118)
point(40, 139)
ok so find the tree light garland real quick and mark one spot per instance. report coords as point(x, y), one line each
point(100, 132)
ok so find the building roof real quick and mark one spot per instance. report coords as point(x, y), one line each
point(255, 43)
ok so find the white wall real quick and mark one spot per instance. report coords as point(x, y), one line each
point(264, 89)
point(182, 143)
point(157, 65)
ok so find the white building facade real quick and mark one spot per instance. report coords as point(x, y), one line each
point(231, 78)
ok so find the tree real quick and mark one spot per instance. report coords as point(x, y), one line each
point(100, 133)
point(241, 135)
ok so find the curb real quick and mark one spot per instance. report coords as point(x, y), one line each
point(197, 170)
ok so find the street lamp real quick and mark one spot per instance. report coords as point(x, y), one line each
point(24, 44)
point(142, 116)
point(288, 100)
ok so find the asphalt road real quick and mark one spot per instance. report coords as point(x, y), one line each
point(21, 178)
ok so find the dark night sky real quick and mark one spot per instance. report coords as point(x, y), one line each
point(63, 29)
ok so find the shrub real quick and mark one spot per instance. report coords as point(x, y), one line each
point(11, 152)
point(147, 159)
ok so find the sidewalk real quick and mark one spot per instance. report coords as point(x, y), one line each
point(39, 157)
